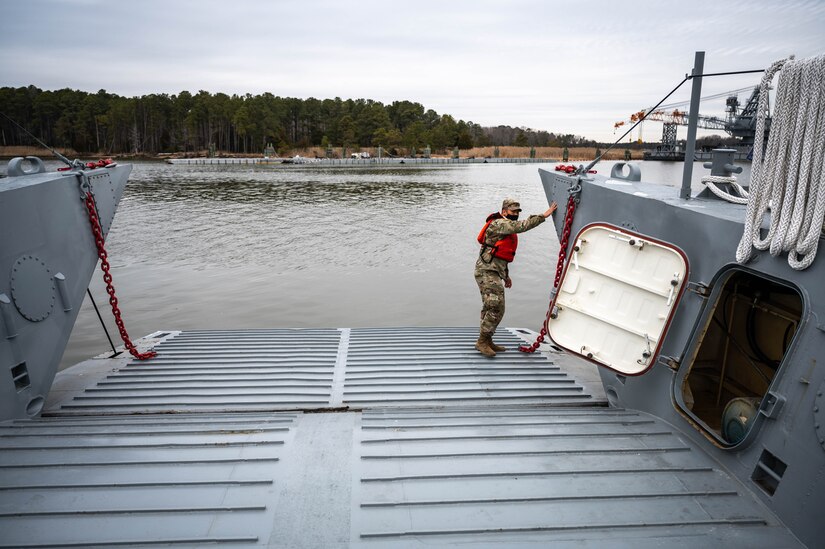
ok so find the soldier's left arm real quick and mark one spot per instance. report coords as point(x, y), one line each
point(510, 227)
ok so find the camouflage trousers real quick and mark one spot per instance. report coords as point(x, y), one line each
point(492, 301)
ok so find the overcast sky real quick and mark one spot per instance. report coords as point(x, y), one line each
point(571, 67)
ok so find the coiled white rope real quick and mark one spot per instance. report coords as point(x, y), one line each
point(789, 176)
point(711, 180)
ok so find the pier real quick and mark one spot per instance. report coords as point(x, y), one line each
point(320, 162)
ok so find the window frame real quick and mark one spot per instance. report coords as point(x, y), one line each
point(768, 405)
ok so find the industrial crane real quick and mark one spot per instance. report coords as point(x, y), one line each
point(738, 123)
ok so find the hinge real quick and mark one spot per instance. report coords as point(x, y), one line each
point(699, 288)
point(669, 361)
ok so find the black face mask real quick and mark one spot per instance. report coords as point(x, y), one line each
point(512, 217)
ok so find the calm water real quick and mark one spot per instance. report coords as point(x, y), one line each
point(256, 247)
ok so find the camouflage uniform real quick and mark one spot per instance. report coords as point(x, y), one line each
point(490, 271)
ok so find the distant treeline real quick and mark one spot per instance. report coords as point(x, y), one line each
point(156, 123)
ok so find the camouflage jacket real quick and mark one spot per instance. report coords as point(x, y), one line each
point(498, 229)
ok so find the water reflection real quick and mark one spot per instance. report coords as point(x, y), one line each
point(292, 193)
point(287, 219)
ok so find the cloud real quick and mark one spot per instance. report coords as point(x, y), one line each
point(558, 66)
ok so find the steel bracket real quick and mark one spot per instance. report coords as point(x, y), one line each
point(771, 404)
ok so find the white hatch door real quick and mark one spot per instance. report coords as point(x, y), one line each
point(617, 296)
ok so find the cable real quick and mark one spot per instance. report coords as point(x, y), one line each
point(690, 76)
point(54, 152)
point(707, 97)
point(91, 297)
point(598, 158)
point(687, 77)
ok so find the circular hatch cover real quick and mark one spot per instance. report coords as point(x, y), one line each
point(32, 288)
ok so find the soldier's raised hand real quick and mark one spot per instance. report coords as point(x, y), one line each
point(550, 210)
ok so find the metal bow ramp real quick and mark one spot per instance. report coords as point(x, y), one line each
point(222, 371)
point(356, 438)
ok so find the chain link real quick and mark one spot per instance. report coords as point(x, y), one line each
point(572, 200)
point(107, 278)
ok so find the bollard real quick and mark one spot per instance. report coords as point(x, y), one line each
point(722, 163)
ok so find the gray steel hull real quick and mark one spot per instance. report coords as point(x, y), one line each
point(47, 257)
point(709, 231)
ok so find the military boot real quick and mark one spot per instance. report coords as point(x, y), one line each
point(483, 345)
point(496, 348)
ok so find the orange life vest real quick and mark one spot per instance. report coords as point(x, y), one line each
point(503, 249)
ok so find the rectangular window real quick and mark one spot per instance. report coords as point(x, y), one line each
point(736, 356)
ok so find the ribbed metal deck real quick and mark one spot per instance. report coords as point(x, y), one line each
point(332, 368)
point(593, 477)
point(90, 482)
point(439, 447)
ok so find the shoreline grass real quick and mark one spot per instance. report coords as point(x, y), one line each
point(576, 154)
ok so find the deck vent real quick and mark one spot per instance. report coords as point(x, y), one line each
point(20, 375)
point(768, 472)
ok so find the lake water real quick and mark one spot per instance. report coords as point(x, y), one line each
point(206, 247)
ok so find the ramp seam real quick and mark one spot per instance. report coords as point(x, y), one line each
point(336, 396)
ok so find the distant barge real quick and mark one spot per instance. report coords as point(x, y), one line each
point(679, 156)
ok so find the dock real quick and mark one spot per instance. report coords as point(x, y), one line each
point(357, 437)
point(362, 162)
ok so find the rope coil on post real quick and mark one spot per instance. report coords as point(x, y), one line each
point(572, 200)
point(788, 176)
point(711, 180)
point(97, 232)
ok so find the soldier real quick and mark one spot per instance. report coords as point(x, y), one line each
point(498, 248)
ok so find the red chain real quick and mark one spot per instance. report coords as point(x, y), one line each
point(107, 278)
point(565, 240)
